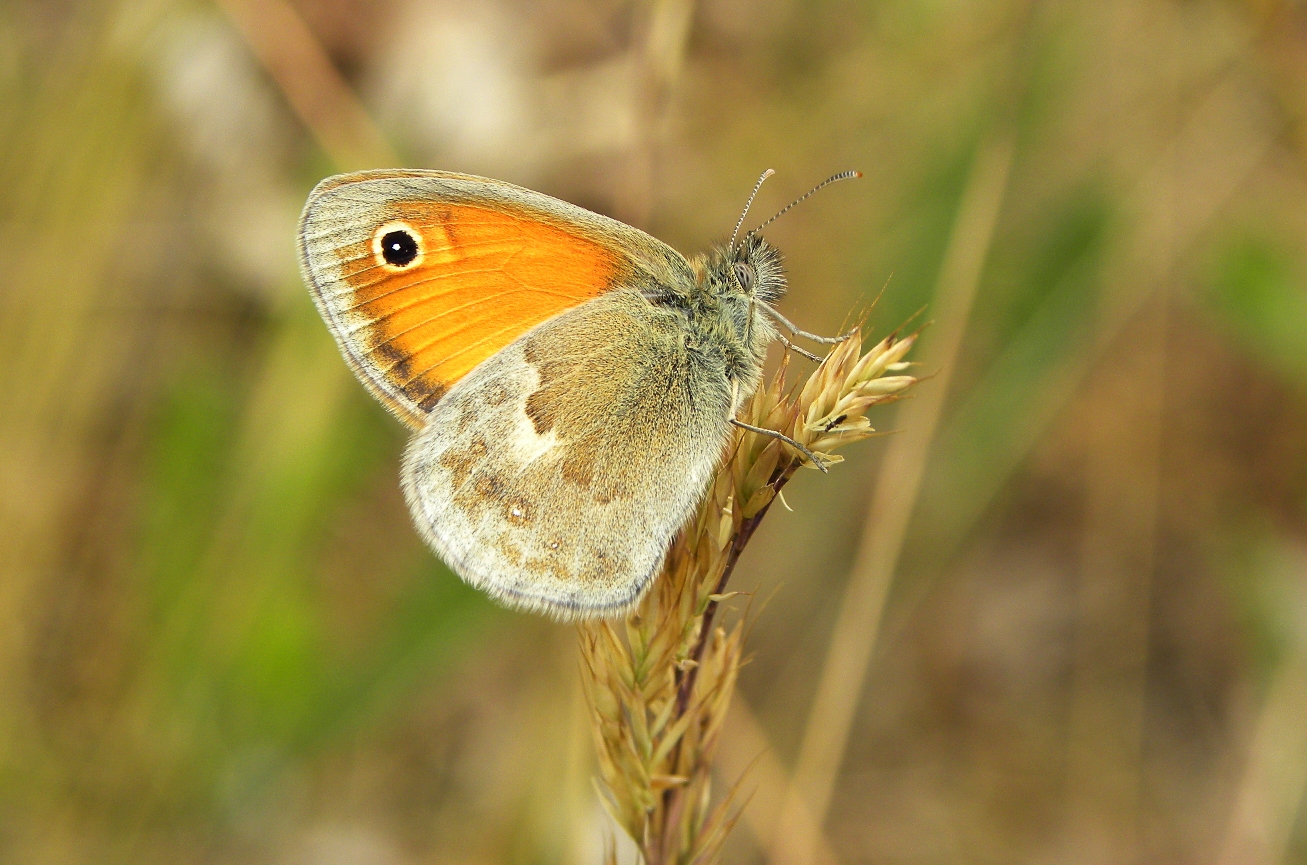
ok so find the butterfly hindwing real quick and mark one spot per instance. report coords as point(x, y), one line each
point(476, 264)
point(555, 475)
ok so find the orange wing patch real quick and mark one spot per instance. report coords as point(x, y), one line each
point(479, 279)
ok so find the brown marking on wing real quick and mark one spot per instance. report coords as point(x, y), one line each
point(518, 510)
point(582, 402)
point(461, 463)
point(467, 419)
point(486, 488)
point(540, 408)
point(550, 567)
point(578, 471)
point(604, 566)
point(424, 392)
point(506, 548)
point(429, 395)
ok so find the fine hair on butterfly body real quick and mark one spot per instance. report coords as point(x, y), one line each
point(570, 379)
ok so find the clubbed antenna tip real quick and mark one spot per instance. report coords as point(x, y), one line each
point(843, 175)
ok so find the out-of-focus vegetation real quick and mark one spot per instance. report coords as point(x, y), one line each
point(221, 641)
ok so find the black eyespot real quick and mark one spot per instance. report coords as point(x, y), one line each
point(399, 247)
point(744, 275)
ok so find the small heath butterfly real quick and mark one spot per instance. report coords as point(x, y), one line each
point(569, 379)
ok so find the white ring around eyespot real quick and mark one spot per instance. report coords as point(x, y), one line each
point(380, 254)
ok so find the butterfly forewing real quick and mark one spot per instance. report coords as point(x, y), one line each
point(422, 275)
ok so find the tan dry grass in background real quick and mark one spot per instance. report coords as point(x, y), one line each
point(219, 639)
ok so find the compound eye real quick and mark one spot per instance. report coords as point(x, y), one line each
point(397, 246)
point(744, 275)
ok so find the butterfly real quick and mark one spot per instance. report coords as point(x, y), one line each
point(570, 380)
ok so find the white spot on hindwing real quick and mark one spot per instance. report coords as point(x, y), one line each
point(529, 445)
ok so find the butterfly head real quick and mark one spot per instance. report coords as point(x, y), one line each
point(727, 310)
point(750, 271)
point(748, 275)
point(756, 269)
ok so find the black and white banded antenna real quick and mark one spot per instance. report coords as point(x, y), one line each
point(843, 175)
point(736, 233)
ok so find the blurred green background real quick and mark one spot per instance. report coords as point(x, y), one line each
point(222, 642)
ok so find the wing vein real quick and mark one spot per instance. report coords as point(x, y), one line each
point(436, 318)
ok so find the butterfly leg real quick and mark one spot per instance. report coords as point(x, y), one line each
point(794, 329)
point(794, 348)
point(783, 437)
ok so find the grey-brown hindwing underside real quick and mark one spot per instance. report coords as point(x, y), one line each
point(556, 474)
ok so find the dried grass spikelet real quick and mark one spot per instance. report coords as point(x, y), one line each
point(659, 683)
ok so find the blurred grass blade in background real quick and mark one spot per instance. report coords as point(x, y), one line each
point(221, 641)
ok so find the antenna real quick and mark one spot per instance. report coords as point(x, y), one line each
point(843, 175)
point(768, 173)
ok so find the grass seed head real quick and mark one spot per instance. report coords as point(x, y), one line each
point(659, 684)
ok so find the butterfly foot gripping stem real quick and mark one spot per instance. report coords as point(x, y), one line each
point(797, 350)
point(816, 460)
